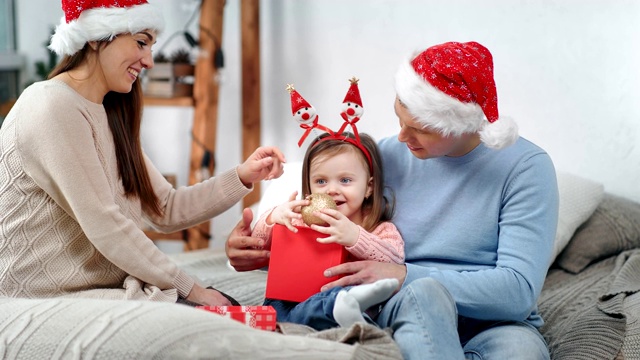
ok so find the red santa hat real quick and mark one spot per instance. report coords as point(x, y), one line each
point(297, 101)
point(91, 20)
point(450, 88)
point(353, 94)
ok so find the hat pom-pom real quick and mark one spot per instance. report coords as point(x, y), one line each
point(499, 134)
point(67, 39)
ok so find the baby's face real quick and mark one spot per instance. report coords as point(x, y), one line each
point(344, 177)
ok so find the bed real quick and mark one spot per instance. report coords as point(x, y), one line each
point(590, 303)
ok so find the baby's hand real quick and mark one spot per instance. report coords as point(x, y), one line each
point(284, 213)
point(341, 230)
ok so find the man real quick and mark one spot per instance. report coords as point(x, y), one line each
point(477, 207)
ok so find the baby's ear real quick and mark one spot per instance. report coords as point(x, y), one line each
point(369, 188)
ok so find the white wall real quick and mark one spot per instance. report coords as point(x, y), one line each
point(566, 70)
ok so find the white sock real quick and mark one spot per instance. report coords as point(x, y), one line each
point(346, 310)
point(350, 304)
point(368, 295)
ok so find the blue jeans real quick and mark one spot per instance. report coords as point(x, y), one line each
point(425, 324)
point(316, 311)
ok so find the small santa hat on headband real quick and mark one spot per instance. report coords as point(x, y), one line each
point(450, 88)
point(304, 114)
point(297, 101)
point(91, 20)
point(353, 94)
point(352, 104)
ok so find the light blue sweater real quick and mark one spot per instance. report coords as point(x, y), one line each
point(482, 224)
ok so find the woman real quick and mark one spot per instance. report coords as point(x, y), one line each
point(75, 185)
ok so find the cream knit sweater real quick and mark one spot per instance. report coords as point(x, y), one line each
point(66, 227)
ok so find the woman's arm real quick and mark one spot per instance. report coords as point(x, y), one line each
point(187, 206)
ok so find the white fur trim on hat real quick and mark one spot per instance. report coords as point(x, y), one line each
point(500, 133)
point(104, 24)
point(451, 117)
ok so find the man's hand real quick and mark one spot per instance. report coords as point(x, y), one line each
point(364, 272)
point(245, 253)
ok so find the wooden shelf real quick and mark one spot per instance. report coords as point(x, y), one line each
point(177, 101)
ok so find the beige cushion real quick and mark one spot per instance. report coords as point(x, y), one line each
point(579, 198)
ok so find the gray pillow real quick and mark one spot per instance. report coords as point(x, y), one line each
point(613, 228)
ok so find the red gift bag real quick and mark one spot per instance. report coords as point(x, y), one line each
point(297, 263)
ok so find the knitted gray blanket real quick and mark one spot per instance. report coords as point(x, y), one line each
point(592, 314)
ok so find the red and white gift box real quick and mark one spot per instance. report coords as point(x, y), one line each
point(259, 317)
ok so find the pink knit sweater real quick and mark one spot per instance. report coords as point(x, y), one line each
point(66, 226)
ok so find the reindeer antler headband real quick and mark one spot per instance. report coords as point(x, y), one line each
point(305, 114)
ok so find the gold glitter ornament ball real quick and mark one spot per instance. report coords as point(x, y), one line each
point(318, 202)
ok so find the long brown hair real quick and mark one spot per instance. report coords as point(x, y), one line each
point(124, 112)
point(376, 208)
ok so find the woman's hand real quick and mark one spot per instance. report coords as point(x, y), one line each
point(364, 272)
point(341, 230)
point(245, 253)
point(284, 213)
point(210, 297)
point(264, 164)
